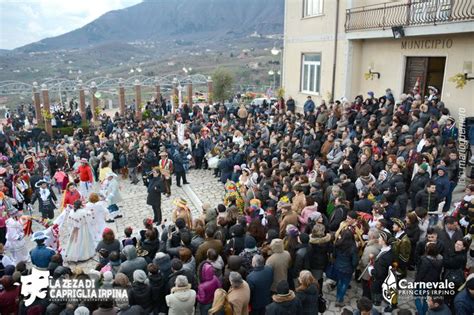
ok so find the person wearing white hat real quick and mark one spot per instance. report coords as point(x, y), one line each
point(110, 189)
point(41, 255)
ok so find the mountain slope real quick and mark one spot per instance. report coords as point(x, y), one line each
point(163, 20)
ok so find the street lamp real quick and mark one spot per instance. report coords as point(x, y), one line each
point(275, 51)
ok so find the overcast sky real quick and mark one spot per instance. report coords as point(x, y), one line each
point(26, 21)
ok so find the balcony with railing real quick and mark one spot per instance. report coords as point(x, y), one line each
point(415, 13)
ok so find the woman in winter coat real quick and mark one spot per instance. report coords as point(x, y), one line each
point(308, 292)
point(413, 232)
point(182, 298)
point(345, 262)
point(428, 270)
point(140, 293)
point(209, 284)
point(318, 251)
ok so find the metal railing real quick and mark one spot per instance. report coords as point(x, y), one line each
point(414, 13)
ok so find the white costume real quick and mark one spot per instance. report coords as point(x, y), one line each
point(99, 214)
point(81, 245)
point(110, 189)
point(16, 241)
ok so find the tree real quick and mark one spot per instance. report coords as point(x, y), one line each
point(222, 80)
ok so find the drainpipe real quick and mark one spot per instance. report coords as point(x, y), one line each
point(336, 29)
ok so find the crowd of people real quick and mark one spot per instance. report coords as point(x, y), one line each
point(342, 194)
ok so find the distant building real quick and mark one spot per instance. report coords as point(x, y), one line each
point(402, 42)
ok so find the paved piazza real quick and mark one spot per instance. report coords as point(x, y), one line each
point(204, 187)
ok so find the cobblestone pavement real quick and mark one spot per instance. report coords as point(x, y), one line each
point(203, 187)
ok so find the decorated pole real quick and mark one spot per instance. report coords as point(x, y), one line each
point(82, 101)
point(210, 89)
point(121, 97)
point(190, 93)
point(175, 100)
point(47, 113)
point(95, 101)
point(36, 97)
point(138, 99)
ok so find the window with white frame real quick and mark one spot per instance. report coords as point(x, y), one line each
point(311, 73)
point(312, 7)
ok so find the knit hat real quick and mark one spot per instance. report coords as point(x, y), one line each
point(398, 222)
point(139, 276)
point(250, 242)
point(315, 216)
point(108, 277)
point(181, 281)
point(424, 166)
point(82, 310)
point(283, 288)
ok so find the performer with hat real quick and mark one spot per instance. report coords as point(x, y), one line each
point(401, 246)
point(110, 190)
point(21, 191)
point(166, 167)
point(86, 178)
point(182, 211)
point(41, 255)
point(449, 131)
point(16, 238)
point(46, 197)
point(380, 268)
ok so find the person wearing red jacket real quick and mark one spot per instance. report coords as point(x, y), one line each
point(86, 179)
point(71, 194)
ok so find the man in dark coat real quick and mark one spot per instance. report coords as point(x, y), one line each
point(46, 198)
point(427, 198)
point(418, 183)
point(179, 170)
point(449, 235)
point(284, 302)
point(149, 160)
point(442, 183)
point(155, 188)
point(226, 166)
point(260, 282)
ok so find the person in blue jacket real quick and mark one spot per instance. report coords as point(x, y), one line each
point(308, 106)
point(260, 282)
point(41, 255)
